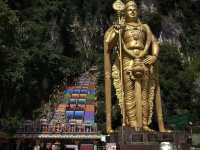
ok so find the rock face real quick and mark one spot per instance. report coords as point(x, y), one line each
point(171, 29)
point(148, 6)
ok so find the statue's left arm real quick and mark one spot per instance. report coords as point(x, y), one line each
point(153, 47)
point(148, 40)
point(151, 60)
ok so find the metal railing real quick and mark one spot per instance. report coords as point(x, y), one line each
point(58, 128)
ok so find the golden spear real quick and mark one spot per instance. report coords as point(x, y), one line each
point(119, 6)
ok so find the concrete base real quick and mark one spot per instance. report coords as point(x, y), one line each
point(139, 147)
point(127, 139)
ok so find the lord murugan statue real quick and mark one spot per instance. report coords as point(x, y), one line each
point(134, 71)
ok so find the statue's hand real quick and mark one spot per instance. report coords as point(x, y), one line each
point(150, 60)
point(118, 26)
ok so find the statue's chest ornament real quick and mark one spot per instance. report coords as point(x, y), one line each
point(136, 32)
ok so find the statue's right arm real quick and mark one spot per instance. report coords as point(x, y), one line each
point(110, 39)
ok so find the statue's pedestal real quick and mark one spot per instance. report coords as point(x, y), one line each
point(127, 139)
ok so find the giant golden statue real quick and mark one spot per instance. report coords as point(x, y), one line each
point(134, 73)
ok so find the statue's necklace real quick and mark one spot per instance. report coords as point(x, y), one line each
point(134, 25)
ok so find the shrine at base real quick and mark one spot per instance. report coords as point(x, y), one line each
point(68, 121)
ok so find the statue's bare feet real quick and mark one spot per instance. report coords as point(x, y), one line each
point(162, 127)
point(146, 128)
point(165, 130)
point(110, 131)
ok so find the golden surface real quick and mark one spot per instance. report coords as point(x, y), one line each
point(134, 72)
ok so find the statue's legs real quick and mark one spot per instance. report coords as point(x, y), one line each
point(147, 101)
point(148, 94)
point(129, 98)
point(130, 102)
point(145, 104)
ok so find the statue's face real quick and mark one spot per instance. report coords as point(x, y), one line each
point(131, 12)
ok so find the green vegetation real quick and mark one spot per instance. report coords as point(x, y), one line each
point(43, 41)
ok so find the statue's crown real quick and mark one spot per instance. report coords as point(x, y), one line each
point(130, 3)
